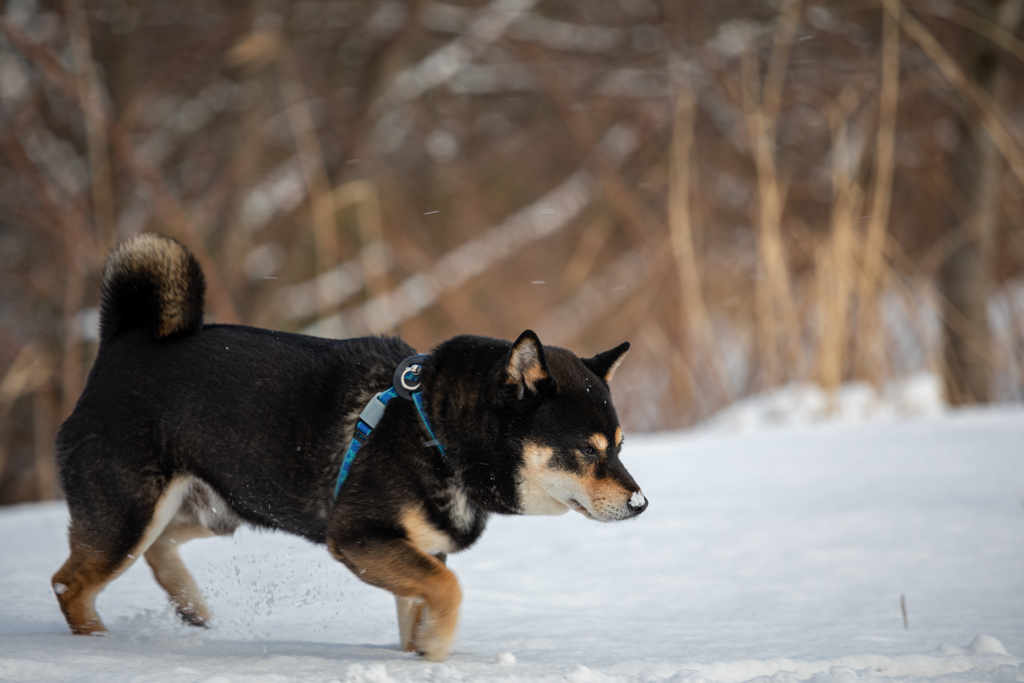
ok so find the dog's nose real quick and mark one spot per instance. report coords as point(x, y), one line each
point(637, 503)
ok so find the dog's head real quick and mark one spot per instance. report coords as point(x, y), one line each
point(568, 432)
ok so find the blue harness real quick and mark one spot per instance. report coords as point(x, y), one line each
point(406, 384)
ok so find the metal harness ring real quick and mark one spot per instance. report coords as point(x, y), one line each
point(406, 379)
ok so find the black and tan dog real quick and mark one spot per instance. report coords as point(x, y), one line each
point(186, 430)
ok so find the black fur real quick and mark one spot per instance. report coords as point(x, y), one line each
point(263, 419)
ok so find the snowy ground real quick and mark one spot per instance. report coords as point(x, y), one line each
point(773, 555)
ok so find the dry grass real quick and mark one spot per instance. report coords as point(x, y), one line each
point(738, 244)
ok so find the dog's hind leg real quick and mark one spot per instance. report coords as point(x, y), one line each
point(202, 514)
point(171, 574)
point(103, 548)
point(79, 581)
point(414, 576)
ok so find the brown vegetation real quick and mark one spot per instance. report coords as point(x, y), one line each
point(750, 192)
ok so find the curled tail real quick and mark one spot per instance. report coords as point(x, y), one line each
point(153, 282)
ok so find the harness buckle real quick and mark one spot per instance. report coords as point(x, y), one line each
point(373, 411)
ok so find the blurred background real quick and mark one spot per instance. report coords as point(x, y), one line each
point(754, 193)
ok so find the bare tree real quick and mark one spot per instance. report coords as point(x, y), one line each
point(977, 164)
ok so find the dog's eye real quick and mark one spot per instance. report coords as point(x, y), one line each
point(588, 451)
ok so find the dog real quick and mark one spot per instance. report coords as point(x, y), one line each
point(187, 430)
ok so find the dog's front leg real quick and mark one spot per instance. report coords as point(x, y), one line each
point(410, 610)
point(427, 592)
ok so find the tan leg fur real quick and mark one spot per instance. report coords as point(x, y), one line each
point(410, 612)
point(77, 584)
point(88, 570)
point(409, 573)
point(172, 575)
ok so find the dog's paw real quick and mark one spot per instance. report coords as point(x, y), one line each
point(438, 655)
point(433, 641)
point(92, 627)
point(193, 618)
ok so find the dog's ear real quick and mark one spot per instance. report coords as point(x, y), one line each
point(526, 369)
point(605, 364)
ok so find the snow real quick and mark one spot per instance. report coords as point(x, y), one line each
point(508, 659)
point(803, 403)
point(774, 556)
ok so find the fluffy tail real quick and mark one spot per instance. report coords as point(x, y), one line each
point(153, 282)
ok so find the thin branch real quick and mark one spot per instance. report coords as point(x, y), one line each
point(568, 321)
point(993, 119)
point(314, 170)
point(167, 206)
point(544, 217)
point(681, 229)
point(979, 24)
point(440, 66)
point(871, 349)
point(91, 101)
point(634, 215)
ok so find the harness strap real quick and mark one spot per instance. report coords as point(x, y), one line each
point(407, 385)
point(417, 398)
point(366, 423)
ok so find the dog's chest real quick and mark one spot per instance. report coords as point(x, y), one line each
point(462, 514)
point(448, 523)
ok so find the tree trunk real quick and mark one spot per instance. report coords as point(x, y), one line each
point(965, 277)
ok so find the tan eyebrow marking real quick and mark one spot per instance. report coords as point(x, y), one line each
point(599, 442)
point(618, 436)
